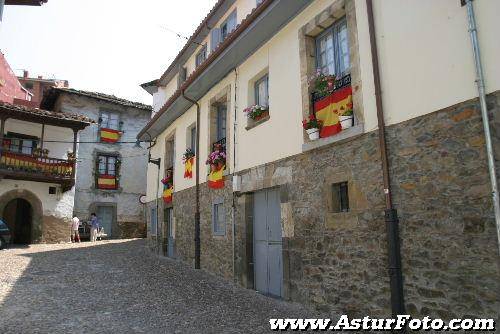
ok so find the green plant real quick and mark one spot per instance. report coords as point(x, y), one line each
point(311, 123)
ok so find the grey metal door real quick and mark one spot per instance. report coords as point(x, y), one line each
point(268, 257)
point(169, 221)
point(105, 215)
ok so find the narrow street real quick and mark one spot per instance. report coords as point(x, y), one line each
point(116, 287)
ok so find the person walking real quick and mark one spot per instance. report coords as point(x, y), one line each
point(94, 227)
point(75, 235)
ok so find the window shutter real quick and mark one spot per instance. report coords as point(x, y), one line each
point(231, 22)
point(215, 39)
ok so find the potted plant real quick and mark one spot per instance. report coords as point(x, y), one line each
point(347, 118)
point(256, 112)
point(322, 84)
point(216, 159)
point(312, 126)
point(37, 152)
point(71, 156)
point(188, 155)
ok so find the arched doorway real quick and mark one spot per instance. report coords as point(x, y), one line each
point(18, 215)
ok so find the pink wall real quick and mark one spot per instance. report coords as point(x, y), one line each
point(10, 87)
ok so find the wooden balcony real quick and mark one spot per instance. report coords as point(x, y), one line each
point(20, 166)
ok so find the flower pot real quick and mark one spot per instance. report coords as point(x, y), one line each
point(261, 116)
point(346, 121)
point(313, 133)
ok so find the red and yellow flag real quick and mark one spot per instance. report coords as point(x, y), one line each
point(188, 168)
point(216, 178)
point(330, 108)
point(109, 135)
point(168, 191)
point(106, 182)
point(22, 160)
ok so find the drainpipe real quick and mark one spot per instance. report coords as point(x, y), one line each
point(197, 213)
point(484, 112)
point(391, 215)
point(156, 162)
point(233, 213)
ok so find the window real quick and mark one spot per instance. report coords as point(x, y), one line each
point(152, 226)
point(19, 143)
point(218, 218)
point(201, 56)
point(106, 174)
point(182, 76)
point(262, 91)
point(169, 153)
point(218, 35)
point(28, 85)
point(340, 197)
point(332, 50)
point(221, 122)
point(110, 120)
point(192, 138)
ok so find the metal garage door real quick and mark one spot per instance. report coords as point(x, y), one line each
point(268, 256)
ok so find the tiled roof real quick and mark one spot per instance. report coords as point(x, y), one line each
point(50, 97)
point(244, 24)
point(26, 111)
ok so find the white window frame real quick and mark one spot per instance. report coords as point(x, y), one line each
point(201, 56)
point(263, 79)
point(105, 117)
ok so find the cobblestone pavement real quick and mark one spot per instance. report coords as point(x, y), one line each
point(117, 287)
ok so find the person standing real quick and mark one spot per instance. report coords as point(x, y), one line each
point(75, 235)
point(94, 227)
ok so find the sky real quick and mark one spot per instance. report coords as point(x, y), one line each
point(108, 46)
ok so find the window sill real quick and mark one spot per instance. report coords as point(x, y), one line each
point(252, 124)
point(345, 135)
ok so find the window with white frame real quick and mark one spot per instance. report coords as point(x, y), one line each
point(110, 120)
point(261, 88)
point(201, 56)
point(191, 138)
point(332, 49)
point(218, 218)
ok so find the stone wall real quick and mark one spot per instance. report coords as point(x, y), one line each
point(338, 261)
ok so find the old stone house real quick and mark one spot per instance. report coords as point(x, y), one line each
point(303, 218)
point(37, 172)
point(111, 165)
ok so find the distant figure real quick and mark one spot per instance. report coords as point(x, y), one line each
point(94, 227)
point(75, 235)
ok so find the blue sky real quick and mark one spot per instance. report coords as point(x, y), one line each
point(110, 46)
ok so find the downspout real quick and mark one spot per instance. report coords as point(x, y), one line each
point(391, 215)
point(197, 213)
point(484, 113)
point(156, 162)
point(233, 212)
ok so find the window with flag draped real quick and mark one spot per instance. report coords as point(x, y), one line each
point(107, 172)
point(109, 127)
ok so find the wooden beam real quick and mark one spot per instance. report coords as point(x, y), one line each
point(42, 136)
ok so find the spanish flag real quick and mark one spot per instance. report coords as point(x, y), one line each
point(329, 108)
point(168, 190)
point(22, 160)
point(106, 182)
point(188, 168)
point(109, 135)
point(216, 178)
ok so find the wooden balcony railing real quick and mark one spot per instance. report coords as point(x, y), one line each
point(22, 166)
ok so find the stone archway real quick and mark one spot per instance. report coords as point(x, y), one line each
point(36, 209)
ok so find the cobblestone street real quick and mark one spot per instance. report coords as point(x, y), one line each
point(115, 287)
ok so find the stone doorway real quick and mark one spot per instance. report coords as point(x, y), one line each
point(18, 215)
point(22, 211)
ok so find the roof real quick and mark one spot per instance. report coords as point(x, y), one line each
point(50, 98)
point(151, 86)
point(62, 119)
point(244, 24)
point(25, 2)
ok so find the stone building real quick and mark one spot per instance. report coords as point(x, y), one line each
point(37, 177)
point(39, 85)
point(303, 218)
point(111, 165)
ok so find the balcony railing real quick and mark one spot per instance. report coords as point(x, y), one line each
point(222, 144)
point(21, 166)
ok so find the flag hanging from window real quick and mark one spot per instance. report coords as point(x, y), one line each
point(168, 190)
point(110, 135)
point(329, 108)
point(106, 182)
point(216, 177)
point(188, 168)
